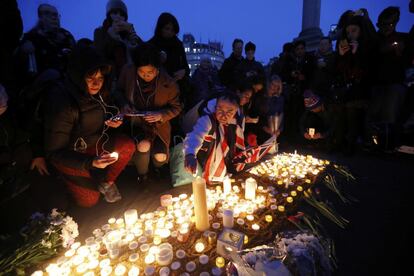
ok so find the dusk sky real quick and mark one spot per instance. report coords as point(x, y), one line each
point(268, 23)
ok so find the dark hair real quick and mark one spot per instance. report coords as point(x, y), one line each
point(43, 5)
point(256, 79)
point(389, 13)
point(326, 37)
point(146, 54)
point(229, 96)
point(164, 19)
point(249, 46)
point(344, 18)
point(288, 47)
point(244, 86)
point(236, 40)
point(84, 42)
point(299, 42)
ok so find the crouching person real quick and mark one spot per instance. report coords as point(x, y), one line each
point(215, 139)
point(79, 137)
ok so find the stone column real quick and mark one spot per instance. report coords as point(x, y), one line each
point(311, 32)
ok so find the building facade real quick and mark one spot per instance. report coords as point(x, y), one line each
point(196, 52)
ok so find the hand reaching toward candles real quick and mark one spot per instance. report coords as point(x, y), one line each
point(190, 163)
point(104, 160)
point(112, 123)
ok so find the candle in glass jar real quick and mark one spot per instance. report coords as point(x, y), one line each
point(133, 271)
point(199, 246)
point(226, 185)
point(131, 217)
point(228, 219)
point(200, 204)
point(250, 188)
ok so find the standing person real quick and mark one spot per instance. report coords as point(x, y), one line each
point(228, 68)
point(144, 87)
point(249, 67)
point(215, 139)
point(172, 54)
point(389, 92)
point(284, 56)
point(325, 67)
point(116, 37)
point(78, 137)
point(46, 46)
point(205, 81)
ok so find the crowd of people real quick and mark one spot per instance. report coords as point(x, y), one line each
point(78, 112)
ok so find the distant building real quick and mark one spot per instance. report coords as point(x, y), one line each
point(195, 52)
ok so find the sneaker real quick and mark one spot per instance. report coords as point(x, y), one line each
point(110, 192)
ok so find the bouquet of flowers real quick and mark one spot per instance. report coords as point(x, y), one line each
point(41, 238)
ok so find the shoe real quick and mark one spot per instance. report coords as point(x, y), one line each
point(142, 179)
point(110, 192)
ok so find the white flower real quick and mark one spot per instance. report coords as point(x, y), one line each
point(69, 231)
point(47, 244)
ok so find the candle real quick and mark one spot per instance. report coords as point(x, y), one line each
point(144, 247)
point(70, 253)
point(131, 217)
point(180, 254)
point(268, 218)
point(164, 271)
point(164, 255)
point(190, 266)
point(203, 259)
point(120, 270)
point(120, 223)
point(216, 225)
point(107, 270)
point(199, 246)
point(281, 208)
point(255, 227)
point(75, 245)
point(80, 269)
point(299, 188)
point(216, 271)
point(133, 271)
point(228, 220)
point(226, 185)
point(250, 217)
point(93, 264)
point(166, 200)
point(149, 270)
point(220, 262)
point(183, 235)
point(104, 263)
point(175, 265)
point(142, 239)
point(311, 132)
point(212, 237)
point(200, 204)
point(149, 259)
point(246, 239)
point(240, 221)
point(133, 245)
point(250, 188)
point(112, 221)
point(133, 257)
point(293, 193)
point(289, 199)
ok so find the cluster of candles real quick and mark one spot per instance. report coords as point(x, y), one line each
point(287, 166)
point(144, 239)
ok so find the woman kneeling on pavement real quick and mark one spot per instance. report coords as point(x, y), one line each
point(80, 140)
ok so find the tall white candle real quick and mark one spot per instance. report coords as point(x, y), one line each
point(226, 185)
point(200, 204)
point(250, 188)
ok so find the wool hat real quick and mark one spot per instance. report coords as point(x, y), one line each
point(116, 5)
point(311, 100)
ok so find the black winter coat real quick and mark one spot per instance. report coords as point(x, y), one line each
point(227, 70)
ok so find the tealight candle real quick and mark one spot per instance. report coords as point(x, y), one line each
point(149, 259)
point(289, 199)
point(133, 245)
point(203, 259)
point(166, 200)
point(112, 221)
point(216, 271)
point(281, 208)
point(142, 239)
point(107, 270)
point(199, 246)
point(299, 188)
point(75, 245)
point(220, 262)
point(255, 227)
point(240, 221)
point(190, 266)
point(104, 263)
point(149, 270)
point(164, 271)
point(70, 253)
point(175, 265)
point(106, 227)
point(250, 217)
point(164, 255)
point(77, 260)
point(268, 218)
point(120, 269)
point(120, 223)
point(93, 264)
point(216, 225)
point(144, 247)
point(133, 271)
point(293, 193)
point(212, 237)
point(133, 257)
point(131, 217)
point(183, 235)
point(82, 268)
point(180, 254)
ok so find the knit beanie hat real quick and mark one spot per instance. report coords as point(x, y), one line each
point(311, 100)
point(116, 5)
